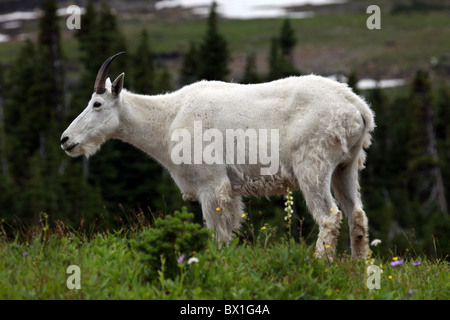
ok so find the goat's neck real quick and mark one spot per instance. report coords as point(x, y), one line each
point(145, 122)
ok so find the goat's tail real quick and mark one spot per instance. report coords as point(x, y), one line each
point(345, 182)
point(368, 119)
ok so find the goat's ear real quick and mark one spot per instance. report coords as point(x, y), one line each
point(117, 85)
point(108, 83)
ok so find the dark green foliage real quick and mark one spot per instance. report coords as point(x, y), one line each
point(287, 40)
point(410, 6)
point(164, 80)
point(144, 67)
point(37, 175)
point(250, 73)
point(424, 159)
point(172, 237)
point(281, 61)
point(87, 38)
point(400, 186)
point(213, 51)
point(189, 67)
point(209, 59)
point(352, 82)
point(275, 68)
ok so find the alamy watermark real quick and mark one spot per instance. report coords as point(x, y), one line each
point(229, 147)
point(373, 277)
point(374, 21)
point(75, 12)
point(74, 19)
point(74, 280)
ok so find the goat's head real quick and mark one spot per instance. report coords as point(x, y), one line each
point(98, 122)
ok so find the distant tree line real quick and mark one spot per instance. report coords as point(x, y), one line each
point(405, 187)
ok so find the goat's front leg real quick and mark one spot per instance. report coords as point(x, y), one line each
point(222, 212)
point(189, 197)
point(329, 226)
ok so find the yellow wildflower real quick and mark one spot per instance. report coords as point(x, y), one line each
point(395, 258)
point(218, 209)
point(263, 228)
point(390, 277)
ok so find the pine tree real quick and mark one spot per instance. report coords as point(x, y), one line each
point(443, 134)
point(353, 82)
point(424, 165)
point(442, 121)
point(287, 41)
point(250, 73)
point(213, 51)
point(3, 158)
point(49, 93)
point(163, 80)
point(281, 58)
point(23, 119)
point(110, 39)
point(88, 39)
point(39, 177)
point(33, 108)
point(144, 67)
point(190, 65)
point(275, 68)
point(7, 187)
point(98, 39)
point(51, 73)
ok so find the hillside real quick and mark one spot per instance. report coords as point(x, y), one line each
point(330, 42)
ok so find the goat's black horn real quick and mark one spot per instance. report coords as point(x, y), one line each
point(99, 86)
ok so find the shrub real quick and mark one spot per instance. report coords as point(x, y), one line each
point(162, 246)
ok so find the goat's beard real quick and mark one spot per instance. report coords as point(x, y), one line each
point(86, 149)
point(89, 149)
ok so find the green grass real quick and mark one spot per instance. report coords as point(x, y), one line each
point(274, 269)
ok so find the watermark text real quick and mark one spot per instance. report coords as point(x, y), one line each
point(228, 147)
point(374, 20)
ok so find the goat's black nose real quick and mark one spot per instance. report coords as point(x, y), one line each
point(64, 140)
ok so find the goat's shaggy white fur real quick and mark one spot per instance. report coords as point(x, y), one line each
point(323, 128)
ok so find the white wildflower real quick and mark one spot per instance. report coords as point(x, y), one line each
point(288, 209)
point(375, 242)
point(192, 260)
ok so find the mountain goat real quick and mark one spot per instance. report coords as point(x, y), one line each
point(318, 131)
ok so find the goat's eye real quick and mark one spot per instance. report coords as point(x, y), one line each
point(97, 104)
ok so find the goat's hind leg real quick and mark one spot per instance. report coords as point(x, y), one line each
point(346, 189)
point(315, 186)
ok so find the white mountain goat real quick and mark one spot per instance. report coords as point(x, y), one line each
point(318, 127)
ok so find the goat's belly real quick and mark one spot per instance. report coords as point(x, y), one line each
point(264, 186)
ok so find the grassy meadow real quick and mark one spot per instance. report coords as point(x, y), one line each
point(35, 267)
